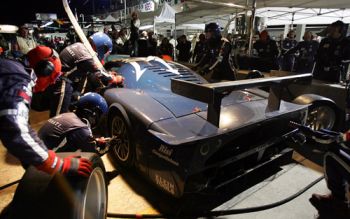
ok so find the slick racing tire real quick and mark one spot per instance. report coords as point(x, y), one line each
point(123, 151)
point(42, 196)
point(322, 115)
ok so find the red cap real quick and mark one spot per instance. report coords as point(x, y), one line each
point(264, 35)
point(42, 53)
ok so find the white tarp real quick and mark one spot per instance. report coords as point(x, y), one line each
point(282, 15)
point(167, 15)
point(190, 27)
point(281, 3)
point(109, 18)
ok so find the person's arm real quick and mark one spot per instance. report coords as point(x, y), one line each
point(137, 23)
point(204, 60)
point(195, 52)
point(22, 141)
point(16, 52)
point(293, 50)
point(274, 49)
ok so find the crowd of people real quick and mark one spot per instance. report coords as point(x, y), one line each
point(326, 60)
point(286, 54)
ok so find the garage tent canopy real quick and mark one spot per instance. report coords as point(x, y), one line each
point(279, 3)
point(277, 12)
point(283, 15)
point(167, 15)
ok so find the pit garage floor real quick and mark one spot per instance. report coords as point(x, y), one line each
point(129, 193)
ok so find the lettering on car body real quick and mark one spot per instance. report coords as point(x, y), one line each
point(165, 153)
point(165, 184)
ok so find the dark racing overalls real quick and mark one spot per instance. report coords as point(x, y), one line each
point(56, 98)
point(330, 55)
point(267, 52)
point(307, 50)
point(217, 61)
point(78, 66)
point(66, 133)
point(287, 58)
point(17, 136)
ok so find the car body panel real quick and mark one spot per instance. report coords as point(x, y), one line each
point(176, 147)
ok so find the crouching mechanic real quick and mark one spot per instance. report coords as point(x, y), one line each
point(69, 132)
point(16, 84)
point(79, 66)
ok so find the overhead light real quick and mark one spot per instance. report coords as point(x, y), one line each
point(47, 24)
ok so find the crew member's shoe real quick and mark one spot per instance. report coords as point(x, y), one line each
point(330, 207)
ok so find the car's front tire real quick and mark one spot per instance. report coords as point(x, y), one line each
point(321, 115)
point(123, 150)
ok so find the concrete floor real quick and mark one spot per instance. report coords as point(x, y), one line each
point(129, 193)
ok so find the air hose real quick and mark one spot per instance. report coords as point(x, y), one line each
point(208, 213)
point(9, 184)
point(222, 212)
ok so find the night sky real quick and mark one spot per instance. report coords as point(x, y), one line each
point(23, 11)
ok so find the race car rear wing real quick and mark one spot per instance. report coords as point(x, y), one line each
point(213, 93)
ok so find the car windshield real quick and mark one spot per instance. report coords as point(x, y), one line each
point(154, 76)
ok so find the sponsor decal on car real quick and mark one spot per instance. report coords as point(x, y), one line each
point(165, 184)
point(165, 153)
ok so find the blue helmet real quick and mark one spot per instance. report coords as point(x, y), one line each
point(101, 43)
point(91, 106)
point(213, 27)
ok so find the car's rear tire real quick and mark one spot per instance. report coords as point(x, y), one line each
point(321, 115)
point(123, 151)
point(42, 196)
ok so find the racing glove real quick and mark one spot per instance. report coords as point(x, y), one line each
point(102, 145)
point(117, 80)
point(72, 165)
point(346, 136)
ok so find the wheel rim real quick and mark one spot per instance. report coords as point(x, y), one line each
point(95, 200)
point(322, 117)
point(122, 147)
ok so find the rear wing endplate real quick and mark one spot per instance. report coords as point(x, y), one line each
point(213, 93)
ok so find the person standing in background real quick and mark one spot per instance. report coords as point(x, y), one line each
point(306, 50)
point(199, 49)
point(23, 42)
point(333, 49)
point(184, 47)
point(288, 59)
point(134, 33)
point(267, 51)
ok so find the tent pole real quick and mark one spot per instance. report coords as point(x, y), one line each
point(251, 34)
point(154, 25)
point(175, 38)
point(125, 11)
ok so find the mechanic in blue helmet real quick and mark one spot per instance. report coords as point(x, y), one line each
point(69, 132)
point(102, 44)
point(16, 88)
point(216, 60)
point(79, 66)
